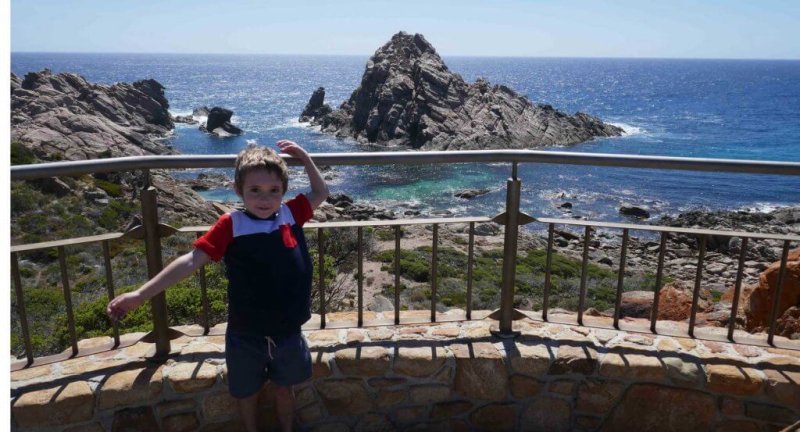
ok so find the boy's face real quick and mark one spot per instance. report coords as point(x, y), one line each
point(262, 192)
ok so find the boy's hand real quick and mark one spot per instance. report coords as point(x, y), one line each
point(122, 304)
point(292, 149)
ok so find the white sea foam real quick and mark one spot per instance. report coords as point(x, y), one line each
point(628, 129)
point(762, 208)
point(292, 122)
point(180, 113)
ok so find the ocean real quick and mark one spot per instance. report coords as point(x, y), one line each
point(734, 109)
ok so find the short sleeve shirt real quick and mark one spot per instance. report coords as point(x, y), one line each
point(268, 267)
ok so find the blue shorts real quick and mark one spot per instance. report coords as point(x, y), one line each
point(253, 360)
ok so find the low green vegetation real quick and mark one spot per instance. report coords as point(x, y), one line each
point(112, 189)
point(47, 318)
point(415, 267)
point(20, 154)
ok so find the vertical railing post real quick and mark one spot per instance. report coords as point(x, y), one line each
point(152, 245)
point(513, 186)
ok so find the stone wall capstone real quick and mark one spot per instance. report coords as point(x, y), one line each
point(439, 376)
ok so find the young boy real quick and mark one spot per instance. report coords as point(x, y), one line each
point(269, 279)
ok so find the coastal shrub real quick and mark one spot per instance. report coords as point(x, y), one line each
point(46, 312)
point(416, 264)
point(112, 189)
point(387, 233)
point(21, 155)
point(25, 197)
point(117, 212)
point(44, 308)
point(529, 285)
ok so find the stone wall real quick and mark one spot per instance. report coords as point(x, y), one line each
point(445, 376)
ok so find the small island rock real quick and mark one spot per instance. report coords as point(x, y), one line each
point(219, 123)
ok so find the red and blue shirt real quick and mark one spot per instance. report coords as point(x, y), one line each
point(268, 267)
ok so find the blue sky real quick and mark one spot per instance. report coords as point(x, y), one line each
point(643, 28)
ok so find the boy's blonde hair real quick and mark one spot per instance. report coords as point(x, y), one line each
point(254, 158)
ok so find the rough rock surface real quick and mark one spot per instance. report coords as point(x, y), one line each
point(761, 299)
point(63, 116)
point(316, 106)
point(219, 123)
point(409, 97)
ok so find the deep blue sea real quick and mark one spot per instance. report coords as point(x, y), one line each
point(737, 109)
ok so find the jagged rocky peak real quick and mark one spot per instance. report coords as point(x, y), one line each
point(409, 97)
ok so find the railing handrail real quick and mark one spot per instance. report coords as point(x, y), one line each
point(130, 163)
point(151, 230)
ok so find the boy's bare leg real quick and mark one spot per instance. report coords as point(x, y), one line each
point(284, 405)
point(248, 408)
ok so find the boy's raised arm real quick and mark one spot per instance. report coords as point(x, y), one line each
point(319, 189)
point(173, 273)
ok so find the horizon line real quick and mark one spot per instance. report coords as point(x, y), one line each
point(369, 55)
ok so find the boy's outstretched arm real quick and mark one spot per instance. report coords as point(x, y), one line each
point(319, 190)
point(173, 273)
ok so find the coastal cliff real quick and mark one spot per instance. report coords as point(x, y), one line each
point(408, 97)
point(62, 116)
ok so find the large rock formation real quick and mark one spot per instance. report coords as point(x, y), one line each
point(409, 97)
point(65, 117)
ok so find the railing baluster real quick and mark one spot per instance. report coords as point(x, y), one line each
point(548, 269)
point(434, 269)
point(321, 281)
point(397, 274)
point(204, 295)
point(360, 277)
point(621, 276)
point(738, 288)
point(62, 263)
point(155, 263)
point(23, 316)
point(697, 279)
point(584, 273)
point(777, 301)
point(110, 287)
point(659, 274)
point(470, 264)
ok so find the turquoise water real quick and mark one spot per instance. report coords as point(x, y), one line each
point(734, 109)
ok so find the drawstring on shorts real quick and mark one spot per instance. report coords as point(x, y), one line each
point(270, 345)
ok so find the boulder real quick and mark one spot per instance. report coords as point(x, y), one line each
point(789, 323)
point(758, 304)
point(471, 193)
point(409, 97)
point(634, 211)
point(200, 111)
point(219, 123)
point(316, 106)
point(185, 119)
point(675, 301)
point(636, 304)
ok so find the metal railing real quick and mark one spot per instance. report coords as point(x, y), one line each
point(151, 231)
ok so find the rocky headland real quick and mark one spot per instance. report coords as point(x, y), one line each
point(57, 117)
point(408, 97)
